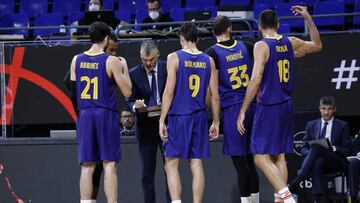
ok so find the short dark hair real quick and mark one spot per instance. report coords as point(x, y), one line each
point(113, 36)
point(98, 31)
point(327, 100)
point(153, 1)
point(189, 31)
point(221, 24)
point(268, 19)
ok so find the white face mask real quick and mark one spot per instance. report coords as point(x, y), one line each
point(154, 14)
point(94, 7)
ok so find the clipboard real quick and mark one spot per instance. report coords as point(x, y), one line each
point(322, 142)
point(152, 111)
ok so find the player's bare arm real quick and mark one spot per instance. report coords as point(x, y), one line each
point(120, 74)
point(168, 95)
point(261, 55)
point(215, 101)
point(302, 47)
point(72, 69)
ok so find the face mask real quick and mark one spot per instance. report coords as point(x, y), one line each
point(154, 14)
point(94, 7)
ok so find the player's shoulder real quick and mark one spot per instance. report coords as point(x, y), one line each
point(261, 45)
point(172, 56)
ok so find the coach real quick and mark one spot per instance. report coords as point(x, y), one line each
point(319, 160)
point(148, 80)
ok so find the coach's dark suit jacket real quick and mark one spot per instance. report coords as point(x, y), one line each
point(340, 137)
point(147, 129)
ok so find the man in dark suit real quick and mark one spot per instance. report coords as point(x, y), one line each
point(354, 170)
point(321, 160)
point(148, 80)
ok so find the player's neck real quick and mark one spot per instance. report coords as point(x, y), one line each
point(190, 47)
point(270, 33)
point(96, 48)
point(223, 38)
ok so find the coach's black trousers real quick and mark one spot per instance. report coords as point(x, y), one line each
point(319, 162)
point(148, 154)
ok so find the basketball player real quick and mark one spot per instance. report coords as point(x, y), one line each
point(234, 60)
point(190, 74)
point(95, 75)
point(111, 49)
point(272, 81)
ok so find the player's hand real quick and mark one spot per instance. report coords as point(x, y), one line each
point(140, 103)
point(240, 123)
point(214, 132)
point(163, 132)
point(300, 10)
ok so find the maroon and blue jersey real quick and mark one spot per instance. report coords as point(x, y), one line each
point(235, 68)
point(277, 83)
point(94, 88)
point(192, 81)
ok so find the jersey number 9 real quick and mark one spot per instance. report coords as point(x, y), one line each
point(194, 84)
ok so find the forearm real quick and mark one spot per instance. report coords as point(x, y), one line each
point(215, 107)
point(250, 94)
point(314, 33)
point(165, 106)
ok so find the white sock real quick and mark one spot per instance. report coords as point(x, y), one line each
point(255, 197)
point(277, 198)
point(86, 201)
point(94, 201)
point(176, 201)
point(246, 199)
point(286, 195)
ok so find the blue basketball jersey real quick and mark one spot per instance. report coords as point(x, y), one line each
point(277, 83)
point(235, 68)
point(94, 88)
point(192, 81)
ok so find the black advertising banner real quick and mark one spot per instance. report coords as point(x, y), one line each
point(36, 93)
point(333, 71)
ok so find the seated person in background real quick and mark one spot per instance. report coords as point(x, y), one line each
point(97, 5)
point(155, 16)
point(127, 123)
point(354, 170)
point(319, 160)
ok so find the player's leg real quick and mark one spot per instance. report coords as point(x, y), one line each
point(280, 163)
point(110, 181)
point(108, 132)
point(243, 174)
point(198, 181)
point(273, 174)
point(96, 180)
point(86, 180)
point(173, 177)
point(254, 183)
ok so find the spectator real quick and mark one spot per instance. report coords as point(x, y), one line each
point(354, 170)
point(155, 16)
point(97, 5)
point(127, 123)
point(319, 160)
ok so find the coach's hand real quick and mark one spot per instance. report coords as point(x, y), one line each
point(163, 131)
point(214, 132)
point(240, 123)
point(140, 103)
